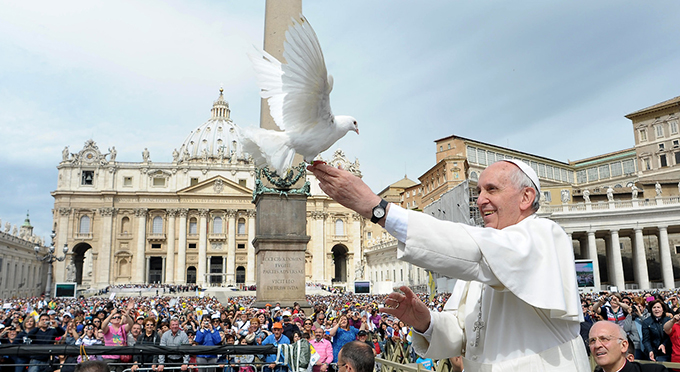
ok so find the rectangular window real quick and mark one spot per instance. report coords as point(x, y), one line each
point(604, 171)
point(127, 181)
point(159, 182)
point(156, 246)
point(441, 148)
point(551, 172)
point(541, 170)
point(662, 161)
point(481, 156)
point(491, 157)
point(87, 178)
point(662, 147)
point(592, 174)
point(242, 183)
point(192, 245)
point(193, 227)
point(643, 135)
point(659, 131)
point(241, 246)
point(628, 166)
point(616, 169)
point(674, 126)
point(677, 249)
point(676, 143)
point(677, 158)
point(369, 235)
point(564, 176)
point(581, 176)
point(194, 181)
point(647, 164)
point(472, 154)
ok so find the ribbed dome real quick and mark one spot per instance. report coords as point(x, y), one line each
point(217, 132)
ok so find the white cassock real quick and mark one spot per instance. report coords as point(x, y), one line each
point(523, 280)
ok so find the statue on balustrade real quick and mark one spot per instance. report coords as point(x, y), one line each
point(610, 194)
point(634, 190)
point(586, 195)
point(657, 188)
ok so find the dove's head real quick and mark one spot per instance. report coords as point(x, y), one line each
point(347, 122)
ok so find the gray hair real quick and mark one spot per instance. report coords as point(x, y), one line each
point(520, 180)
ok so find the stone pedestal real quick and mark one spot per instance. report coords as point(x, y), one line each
point(280, 243)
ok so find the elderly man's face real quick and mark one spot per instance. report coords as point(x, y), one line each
point(500, 202)
point(174, 326)
point(606, 345)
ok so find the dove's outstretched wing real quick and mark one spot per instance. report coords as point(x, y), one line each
point(297, 92)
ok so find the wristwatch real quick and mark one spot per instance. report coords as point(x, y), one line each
point(379, 211)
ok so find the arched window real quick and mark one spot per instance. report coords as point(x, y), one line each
point(125, 225)
point(217, 225)
point(84, 225)
point(339, 227)
point(241, 226)
point(157, 227)
point(193, 228)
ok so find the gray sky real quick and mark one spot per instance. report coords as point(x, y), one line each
point(545, 77)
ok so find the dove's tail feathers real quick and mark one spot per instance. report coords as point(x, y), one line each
point(268, 147)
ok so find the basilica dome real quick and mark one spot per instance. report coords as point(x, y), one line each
point(216, 138)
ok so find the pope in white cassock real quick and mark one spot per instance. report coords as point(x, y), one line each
point(516, 307)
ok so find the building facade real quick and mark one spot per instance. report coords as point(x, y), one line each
point(191, 220)
point(22, 274)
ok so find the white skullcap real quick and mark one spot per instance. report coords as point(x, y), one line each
point(526, 169)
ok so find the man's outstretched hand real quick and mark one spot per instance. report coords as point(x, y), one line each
point(408, 308)
point(345, 188)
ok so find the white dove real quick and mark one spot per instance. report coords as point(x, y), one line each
point(298, 96)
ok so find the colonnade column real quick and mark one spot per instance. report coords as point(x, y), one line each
point(59, 268)
point(617, 264)
point(140, 253)
point(666, 262)
point(231, 245)
point(103, 271)
point(170, 256)
point(318, 244)
point(640, 260)
point(202, 246)
point(180, 269)
point(250, 271)
point(356, 242)
point(592, 255)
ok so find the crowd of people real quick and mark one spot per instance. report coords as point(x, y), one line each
point(651, 321)
point(186, 320)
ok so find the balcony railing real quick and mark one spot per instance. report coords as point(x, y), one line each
point(607, 205)
point(156, 237)
point(217, 236)
point(83, 236)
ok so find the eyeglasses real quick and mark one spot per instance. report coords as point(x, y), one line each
point(148, 325)
point(603, 339)
point(116, 317)
point(341, 366)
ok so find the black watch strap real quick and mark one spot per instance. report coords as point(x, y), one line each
point(383, 206)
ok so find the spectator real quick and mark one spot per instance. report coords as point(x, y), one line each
point(21, 338)
point(93, 366)
point(342, 333)
point(135, 331)
point(174, 337)
point(609, 346)
point(44, 334)
point(88, 338)
point(324, 348)
point(275, 339)
point(672, 329)
point(656, 341)
point(115, 328)
point(363, 337)
point(319, 322)
point(242, 361)
point(148, 337)
point(288, 327)
point(207, 336)
point(611, 308)
point(356, 356)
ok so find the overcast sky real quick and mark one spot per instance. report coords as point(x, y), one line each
point(553, 78)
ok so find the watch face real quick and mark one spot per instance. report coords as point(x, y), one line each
point(379, 212)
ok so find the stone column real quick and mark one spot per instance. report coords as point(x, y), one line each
point(250, 271)
point(140, 255)
point(356, 243)
point(170, 257)
point(617, 263)
point(104, 258)
point(59, 268)
point(180, 269)
point(202, 247)
point(592, 254)
point(231, 245)
point(319, 256)
point(640, 260)
point(666, 261)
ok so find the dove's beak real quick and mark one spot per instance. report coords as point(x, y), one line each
point(357, 130)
